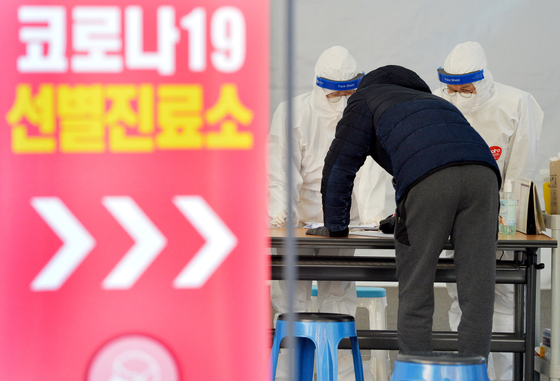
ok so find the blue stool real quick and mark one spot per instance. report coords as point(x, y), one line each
point(439, 367)
point(321, 332)
point(374, 300)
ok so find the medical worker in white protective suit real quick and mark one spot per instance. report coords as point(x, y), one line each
point(510, 122)
point(315, 115)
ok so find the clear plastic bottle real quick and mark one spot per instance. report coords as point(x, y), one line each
point(508, 210)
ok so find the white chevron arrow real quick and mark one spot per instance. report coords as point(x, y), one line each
point(219, 241)
point(76, 243)
point(149, 242)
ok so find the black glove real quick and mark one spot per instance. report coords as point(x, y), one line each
point(387, 225)
point(323, 231)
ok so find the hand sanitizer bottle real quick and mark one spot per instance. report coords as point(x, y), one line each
point(508, 210)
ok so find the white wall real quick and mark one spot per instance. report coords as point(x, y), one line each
point(521, 39)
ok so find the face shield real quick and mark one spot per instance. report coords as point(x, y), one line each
point(453, 84)
point(335, 90)
point(459, 89)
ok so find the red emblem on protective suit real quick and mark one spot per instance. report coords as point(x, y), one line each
point(496, 152)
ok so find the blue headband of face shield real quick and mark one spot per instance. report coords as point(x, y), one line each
point(459, 79)
point(339, 85)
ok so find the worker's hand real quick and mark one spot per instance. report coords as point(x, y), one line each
point(280, 220)
point(323, 231)
point(387, 225)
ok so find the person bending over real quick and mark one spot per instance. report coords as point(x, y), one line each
point(446, 187)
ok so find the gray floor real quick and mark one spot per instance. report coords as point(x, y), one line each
point(442, 304)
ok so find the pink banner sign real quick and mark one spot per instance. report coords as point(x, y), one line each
point(133, 190)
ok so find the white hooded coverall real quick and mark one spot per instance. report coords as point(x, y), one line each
point(314, 123)
point(510, 121)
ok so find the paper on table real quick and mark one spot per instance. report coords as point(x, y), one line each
point(371, 233)
point(364, 227)
point(313, 225)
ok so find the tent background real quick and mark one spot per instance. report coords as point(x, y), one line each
point(521, 39)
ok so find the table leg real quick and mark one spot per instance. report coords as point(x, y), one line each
point(555, 310)
point(530, 308)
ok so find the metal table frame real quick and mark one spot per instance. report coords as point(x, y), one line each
point(521, 272)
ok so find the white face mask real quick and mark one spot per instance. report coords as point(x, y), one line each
point(335, 99)
point(464, 105)
point(339, 105)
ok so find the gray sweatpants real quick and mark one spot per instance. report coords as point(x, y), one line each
point(460, 203)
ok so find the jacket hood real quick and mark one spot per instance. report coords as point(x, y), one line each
point(394, 75)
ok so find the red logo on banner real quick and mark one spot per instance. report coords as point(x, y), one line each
point(133, 357)
point(496, 152)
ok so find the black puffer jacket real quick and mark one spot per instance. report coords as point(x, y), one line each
point(411, 133)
